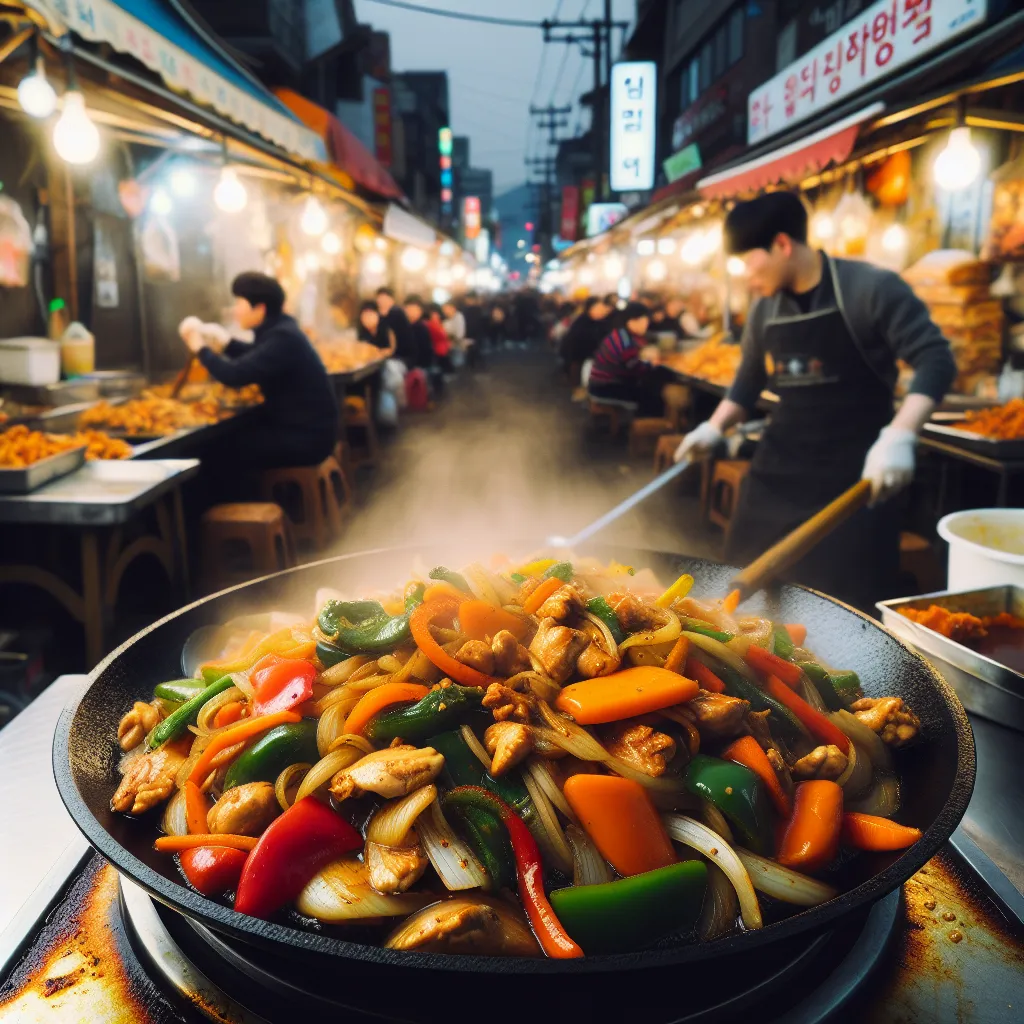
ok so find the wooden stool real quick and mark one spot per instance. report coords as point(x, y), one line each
point(918, 559)
point(726, 480)
point(342, 456)
point(642, 431)
point(665, 451)
point(253, 535)
point(314, 499)
point(677, 399)
point(612, 409)
point(357, 414)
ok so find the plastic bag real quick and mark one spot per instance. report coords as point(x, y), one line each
point(160, 255)
point(15, 245)
point(387, 409)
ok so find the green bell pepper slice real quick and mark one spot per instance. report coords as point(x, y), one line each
point(329, 654)
point(837, 688)
point(439, 709)
point(738, 793)
point(362, 627)
point(633, 913)
point(287, 744)
point(700, 626)
point(783, 645)
point(178, 721)
point(179, 691)
point(518, 578)
point(784, 719)
point(603, 610)
point(446, 575)
point(560, 570)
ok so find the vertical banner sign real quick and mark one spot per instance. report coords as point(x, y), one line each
point(570, 212)
point(471, 217)
point(886, 36)
point(382, 125)
point(444, 147)
point(633, 125)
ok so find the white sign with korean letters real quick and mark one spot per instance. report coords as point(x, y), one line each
point(633, 126)
point(886, 36)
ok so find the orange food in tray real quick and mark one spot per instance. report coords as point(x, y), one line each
point(1003, 423)
point(960, 626)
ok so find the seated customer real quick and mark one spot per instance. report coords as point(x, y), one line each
point(373, 328)
point(298, 421)
point(421, 345)
point(623, 366)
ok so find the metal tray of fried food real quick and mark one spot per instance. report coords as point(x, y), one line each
point(994, 448)
point(28, 478)
point(984, 686)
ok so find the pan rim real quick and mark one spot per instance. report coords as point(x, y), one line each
point(268, 934)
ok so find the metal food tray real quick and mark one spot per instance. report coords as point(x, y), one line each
point(990, 446)
point(983, 685)
point(28, 478)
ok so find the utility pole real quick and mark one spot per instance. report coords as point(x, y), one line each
point(550, 119)
point(545, 167)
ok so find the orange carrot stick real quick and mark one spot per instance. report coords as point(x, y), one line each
point(541, 594)
point(229, 737)
point(374, 701)
point(442, 590)
point(419, 624)
point(480, 620)
point(633, 691)
point(731, 601)
point(820, 727)
point(870, 832)
point(771, 664)
point(676, 657)
point(228, 714)
point(747, 752)
point(197, 807)
point(797, 633)
point(811, 839)
point(705, 677)
point(175, 844)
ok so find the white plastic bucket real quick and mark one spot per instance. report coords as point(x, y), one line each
point(986, 547)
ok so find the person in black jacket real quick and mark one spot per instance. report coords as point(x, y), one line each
point(298, 425)
point(398, 323)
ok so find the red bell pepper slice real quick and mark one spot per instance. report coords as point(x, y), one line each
point(705, 677)
point(772, 665)
point(553, 938)
point(281, 684)
point(213, 870)
point(290, 852)
point(820, 727)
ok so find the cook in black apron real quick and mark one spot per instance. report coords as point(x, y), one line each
point(831, 408)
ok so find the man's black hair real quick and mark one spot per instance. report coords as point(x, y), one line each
point(635, 310)
point(386, 291)
point(591, 301)
point(414, 300)
point(259, 290)
point(367, 305)
point(757, 223)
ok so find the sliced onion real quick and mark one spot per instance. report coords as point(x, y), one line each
point(544, 775)
point(606, 634)
point(390, 664)
point(662, 635)
point(369, 682)
point(479, 582)
point(718, 915)
point(175, 821)
point(713, 614)
point(341, 892)
point(588, 866)
point(241, 680)
point(679, 716)
point(331, 724)
point(474, 744)
point(709, 645)
point(204, 720)
point(883, 799)
point(391, 824)
point(342, 671)
point(367, 668)
point(693, 834)
point(781, 883)
point(739, 645)
point(453, 860)
point(327, 767)
point(285, 780)
point(653, 654)
point(538, 683)
point(715, 820)
point(870, 741)
point(810, 694)
point(550, 834)
point(419, 666)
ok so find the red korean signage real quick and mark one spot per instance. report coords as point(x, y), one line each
point(471, 217)
point(570, 212)
point(382, 125)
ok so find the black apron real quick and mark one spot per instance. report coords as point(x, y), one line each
point(831, 408)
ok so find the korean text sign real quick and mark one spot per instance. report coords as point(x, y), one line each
point(884, 37)
point(634, 94)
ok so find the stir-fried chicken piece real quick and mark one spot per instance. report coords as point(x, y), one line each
point(508, 743)
point(395, 868)
point(639, 745)
point(557, 648)
point(781, 770)
point(393, 772)
point(718, 715)
point(633, 615)
point(825, 762)
point(467, 925)
point(477, 654)
point(757, 725)
point(510, 656)
point(596, 661)
point(562, 605)
point(244, 810)
point(149, 779)
point(505, 703)
point(137, 724)
point(894, 722)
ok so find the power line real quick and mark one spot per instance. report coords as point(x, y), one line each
point(459, 15)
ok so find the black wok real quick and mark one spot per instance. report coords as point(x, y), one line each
point(937, 775)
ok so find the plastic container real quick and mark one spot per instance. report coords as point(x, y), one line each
point(77, 351)
point(986, 547)
point(33, 361)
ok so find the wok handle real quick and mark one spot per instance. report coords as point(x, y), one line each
point(780, 557)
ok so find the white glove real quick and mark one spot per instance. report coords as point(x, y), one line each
point(215, 336)
point(189, 325)
point(698, 441)
point(890, 463)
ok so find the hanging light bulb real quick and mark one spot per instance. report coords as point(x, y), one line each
point(735, 266)
point(958, 164)
point(314, 217)
point(160, 202)
point(312, 262)
point(894, 238)
point(230, 195)
point(586, 276)
point(823, 227)
point(375, 263)
point(693, 250)
point(459, 271)
point(35, 94)
point(656, 270)
point(712, 240)
point(645, 247)
point(666, 246)
point(75, 137)
point(331, 243)
point(413, 258)
point(183, 182)
point(613, 266)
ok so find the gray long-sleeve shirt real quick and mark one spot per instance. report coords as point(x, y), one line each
point(887, 321)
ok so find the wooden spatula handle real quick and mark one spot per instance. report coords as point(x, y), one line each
point(794, 546)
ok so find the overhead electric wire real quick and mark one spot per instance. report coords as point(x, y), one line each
point(483, 19)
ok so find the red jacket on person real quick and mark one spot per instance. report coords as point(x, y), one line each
point(442, 343)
